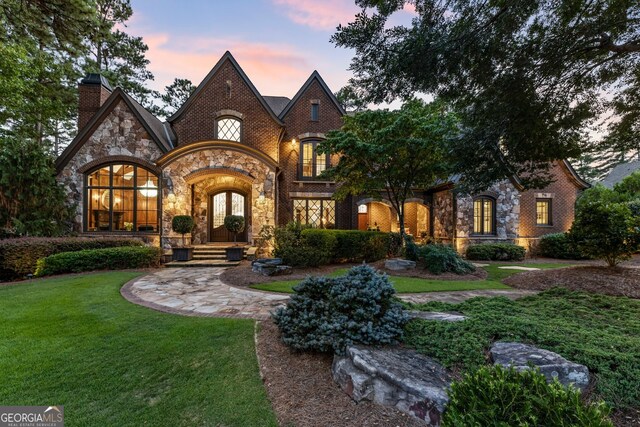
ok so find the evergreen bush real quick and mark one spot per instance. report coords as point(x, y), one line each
point(182, 224)
point(330, 314)
point(496, 252)
point(439, 258)
point(558, 245)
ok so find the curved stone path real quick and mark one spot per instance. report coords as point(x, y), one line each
point(200, 292)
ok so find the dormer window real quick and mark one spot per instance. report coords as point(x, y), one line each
point(229, 129)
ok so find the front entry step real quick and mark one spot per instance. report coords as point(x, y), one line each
point(201, 263)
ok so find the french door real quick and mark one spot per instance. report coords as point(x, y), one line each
point(225, 203)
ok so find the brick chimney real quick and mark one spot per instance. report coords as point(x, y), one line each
point(93, 91)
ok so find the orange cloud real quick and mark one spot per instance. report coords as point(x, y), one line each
point(321, 15)
point(273, 69)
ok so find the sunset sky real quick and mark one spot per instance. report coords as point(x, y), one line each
point(278, 43)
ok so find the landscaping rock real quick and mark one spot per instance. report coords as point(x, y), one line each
point(399, 264)
point(401, 378)
point(437, 315)
point(552, 365)
point(270, 267)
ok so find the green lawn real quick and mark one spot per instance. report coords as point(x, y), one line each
point(74, 341)
point(413, 284)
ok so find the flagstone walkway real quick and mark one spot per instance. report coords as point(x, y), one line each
point(200, 292)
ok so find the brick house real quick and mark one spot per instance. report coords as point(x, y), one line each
point(231, 150)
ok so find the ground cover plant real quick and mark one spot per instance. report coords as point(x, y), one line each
point(404, 284)
point(76, 342)
point(599, 331)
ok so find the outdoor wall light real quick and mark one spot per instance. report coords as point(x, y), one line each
point(293, 143)
point(261, 197)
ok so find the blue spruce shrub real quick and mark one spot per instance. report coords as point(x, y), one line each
point(330, 314)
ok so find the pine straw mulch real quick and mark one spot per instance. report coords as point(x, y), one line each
point(303, 393)
point(242, 276)
point(619, 281)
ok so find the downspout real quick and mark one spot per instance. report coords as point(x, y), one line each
point(277, 197)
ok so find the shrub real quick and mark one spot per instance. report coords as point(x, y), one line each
point(99, 259)
point(394, 244)
point(496, 252)
point(439, 258)
point(234, 224)
point(18, 257)
point(495, 396)
point(182, 224)
point(558, 245)
point(605, 229)
point(330, 314)
point(291, 247)
point(356, 245)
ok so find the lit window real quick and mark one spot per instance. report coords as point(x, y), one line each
point(543, 211)
point(483, 215)
point(122, 197)
point(315, 111)
point(229, 129)
point(362, 209)
point(312, 163)
point(320, 213)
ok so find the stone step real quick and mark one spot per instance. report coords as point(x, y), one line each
point(201, 263)
point(209, 257)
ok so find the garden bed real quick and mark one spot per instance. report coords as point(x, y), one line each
point(303, 393)
point(620, 281)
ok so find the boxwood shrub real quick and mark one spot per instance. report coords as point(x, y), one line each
point(439, 258)
point(18, 257)
point(330, 314)
point(99, 259)
point(558, 245)
point(495, 396)
point(496, 252)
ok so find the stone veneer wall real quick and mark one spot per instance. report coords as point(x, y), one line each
point(120, 134)
point(257, 175)
point(443, 216)
point(507, 216)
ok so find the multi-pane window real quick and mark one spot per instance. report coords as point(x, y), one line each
point(320, 213)
point(483, 215)
point(229, 129)
point(315, 111)
point(543, 211)
point(122, 197)
point(312, 163)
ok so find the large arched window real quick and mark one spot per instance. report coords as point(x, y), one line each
point(484, 215)
point(122, 197)
point(229, 129)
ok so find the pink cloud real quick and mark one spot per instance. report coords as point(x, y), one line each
point(273, 69)
point(321, 15)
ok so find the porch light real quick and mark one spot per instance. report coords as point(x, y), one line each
point(149, 189)
point(261, 197)
point(293, 143)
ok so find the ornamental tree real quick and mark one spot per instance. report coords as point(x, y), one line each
point(392, 152)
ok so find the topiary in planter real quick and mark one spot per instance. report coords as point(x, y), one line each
point(182, 224)
point(329, 314)
point(234, 224)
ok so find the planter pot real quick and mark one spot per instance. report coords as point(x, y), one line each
point(182, 254)
point(235, 253)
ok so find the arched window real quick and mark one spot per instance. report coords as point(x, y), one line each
point(122, 197)
point(229, 129)
point(484, 215)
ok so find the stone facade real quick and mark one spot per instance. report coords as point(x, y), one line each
point(443, 216)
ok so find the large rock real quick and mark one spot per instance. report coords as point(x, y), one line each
point(397, 264)
point(552, 365)
point(405, 379)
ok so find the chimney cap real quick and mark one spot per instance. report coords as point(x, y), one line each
point(96, 79)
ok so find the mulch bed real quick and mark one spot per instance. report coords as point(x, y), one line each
point(620, 281)
point(303, 393)
point(242, 275)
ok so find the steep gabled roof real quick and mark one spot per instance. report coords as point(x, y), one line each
point(620, 172)
point(151, 124)
point(226, 57)
point(277, 103)
point(315, 76)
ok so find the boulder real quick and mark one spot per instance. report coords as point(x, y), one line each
point(267, 261)
point(401, 378)
point(270, 267)
point(552, 365)
point(399, 264)
point(437, 315)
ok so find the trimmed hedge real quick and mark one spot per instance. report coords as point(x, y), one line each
point(496, 252)
point(558, 245)
point(99, 259)
point(18, 257)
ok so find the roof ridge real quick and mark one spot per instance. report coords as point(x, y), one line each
point(315, 75)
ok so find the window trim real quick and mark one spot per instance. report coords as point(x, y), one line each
point(549, 202)
point(482, 232)
point(322, 202)
point(314, 155)
point(87, 190)
point(232, 117)
point(315, 106)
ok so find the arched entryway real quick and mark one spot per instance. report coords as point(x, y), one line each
point(221, 204)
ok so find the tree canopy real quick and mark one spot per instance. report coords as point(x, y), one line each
point(391, 152)
point(526, 77)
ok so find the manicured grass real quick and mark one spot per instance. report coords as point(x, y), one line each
point(74, 341)
point(414, 284)
point(599, 331)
